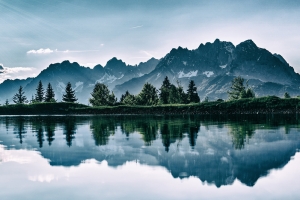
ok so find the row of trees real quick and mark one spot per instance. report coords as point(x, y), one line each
point(239, 91)
point(149, 95)
point(167, 94)
point(44, 96)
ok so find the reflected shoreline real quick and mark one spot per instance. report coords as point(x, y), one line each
point(217, 150)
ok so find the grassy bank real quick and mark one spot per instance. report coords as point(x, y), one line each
point(263, 105)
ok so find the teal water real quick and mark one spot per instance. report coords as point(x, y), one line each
point(149, 157)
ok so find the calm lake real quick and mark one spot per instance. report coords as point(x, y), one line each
point(149, 157)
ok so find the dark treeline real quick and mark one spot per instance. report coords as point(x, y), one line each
point(167, 94)
point(43, 96)
point(169, 129)
point(148, 96)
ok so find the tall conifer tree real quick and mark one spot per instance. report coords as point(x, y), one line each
point(192, 95)
point(69, 95)
point(39, 96)
point(49, 96)
point(165, 91)
point(20, 98)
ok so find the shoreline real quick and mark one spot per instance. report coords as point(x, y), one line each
point(255, 106)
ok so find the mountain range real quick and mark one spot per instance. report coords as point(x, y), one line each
point(212, 66)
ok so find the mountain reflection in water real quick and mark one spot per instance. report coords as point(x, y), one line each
point(217, 150)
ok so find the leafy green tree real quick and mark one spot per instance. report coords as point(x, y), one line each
point(239, 91)
point(148, 95)
point(182, 96)
point(19, 97)
point(101, 96)
point(112, 100)
point(123, 96)
point(49, 96)
point(173, 95)
point(192, 95)
point(69, 95)
point(286, 95)
point(39, 96)
point(128, 99)
point(165, 91)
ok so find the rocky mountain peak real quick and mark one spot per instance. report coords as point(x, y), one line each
point(281, 59)
point(115, 65)
point(98, 68)
point(247, 45)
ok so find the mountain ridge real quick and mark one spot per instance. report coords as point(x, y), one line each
point(212, 66)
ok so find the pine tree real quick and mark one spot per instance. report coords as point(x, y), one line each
point(39, 96)
point(192, 95)
point(165, 91)
point(69, 95)
point(49, 96)
point(20, 98)
point(148, 95)
point(6, 102)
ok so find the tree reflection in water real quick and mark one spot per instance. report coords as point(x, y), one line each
point(19, 128)
point(216, 149)
point(69, 129)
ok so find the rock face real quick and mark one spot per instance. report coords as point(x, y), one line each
point(212, 66)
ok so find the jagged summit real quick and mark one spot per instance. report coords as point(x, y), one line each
point(212, 66)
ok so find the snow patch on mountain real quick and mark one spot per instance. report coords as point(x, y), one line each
point(121, 76)
point(229, 48)
point(78, 86)
point(157, 76)
point(61, 86)
point(184, 62)
point(107, 79)
point(208, 73)
point(223, 66)
point(181, 74)
point(140, 74)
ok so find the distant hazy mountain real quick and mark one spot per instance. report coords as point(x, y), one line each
point(82, 78)
point(213, 66)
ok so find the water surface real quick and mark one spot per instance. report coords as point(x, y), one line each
point(148, 157)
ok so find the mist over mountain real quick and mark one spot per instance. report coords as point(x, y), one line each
point(212, 66)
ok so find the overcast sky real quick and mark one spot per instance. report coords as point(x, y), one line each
point(35, 33)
